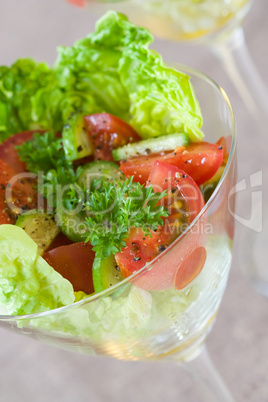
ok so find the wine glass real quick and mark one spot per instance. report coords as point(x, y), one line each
point(132, 320)
point(216, 24)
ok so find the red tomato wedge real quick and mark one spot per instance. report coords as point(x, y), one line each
point(108, 132)
point(17, 193)
point(8, 152)
point(184, 201)
point(74, 262)
point(60, 240)
point(139, 251)
point(180, 187)
point(201, 161)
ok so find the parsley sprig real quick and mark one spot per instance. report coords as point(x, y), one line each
point(114, 207)
point(45, 155)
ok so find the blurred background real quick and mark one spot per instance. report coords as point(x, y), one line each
point(31, 371)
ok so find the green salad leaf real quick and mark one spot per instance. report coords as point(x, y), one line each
point(162, 99)
point(28, 283)
point(28, 97)
point(110, 70)
point(32, 98)
point(91, 66)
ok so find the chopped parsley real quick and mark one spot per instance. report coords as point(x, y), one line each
point(115, 207)
point(44, 155)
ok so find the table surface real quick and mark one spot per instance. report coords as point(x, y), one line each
point(238, 344)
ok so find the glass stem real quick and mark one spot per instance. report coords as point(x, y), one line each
point(233, 53)
point(203, 371)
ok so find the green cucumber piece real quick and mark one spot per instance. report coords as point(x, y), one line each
point(105, 272)
point(207, 188)
point(98, 169)
point(151, 145)
point(72, 225)
point(75, 139)
point(41, 227)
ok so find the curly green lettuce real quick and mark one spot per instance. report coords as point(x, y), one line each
point(111, 70)
point(20, 84)
point(162, 99)
point(31, 98)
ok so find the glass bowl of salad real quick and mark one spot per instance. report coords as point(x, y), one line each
point(116, 222)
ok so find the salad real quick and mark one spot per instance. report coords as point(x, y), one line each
point(103, 164)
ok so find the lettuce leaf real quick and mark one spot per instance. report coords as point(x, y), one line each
point(20, 85)
point(115, 65)
point(91, 66)
point(31, 98)
point(28, 284)
point(162, 99)
point(110, 70)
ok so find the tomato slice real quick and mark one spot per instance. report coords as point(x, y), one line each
point(74, 262)
point(16, 195)
point(139, 251)
point(108, 132)
point(182, 191)
point(5, 174)
point(8, 152)
point(201, 161)
point(184, 201)
point(60, 240)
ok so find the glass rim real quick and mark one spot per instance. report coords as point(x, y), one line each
point(189, 70)
point(209, 36)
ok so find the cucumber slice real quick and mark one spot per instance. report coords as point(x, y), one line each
point(72, 225)
point(151, 145)
point(75, 139)
point(105, 273)
point(41, 227)
point(209, 186)
point(98, 169)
